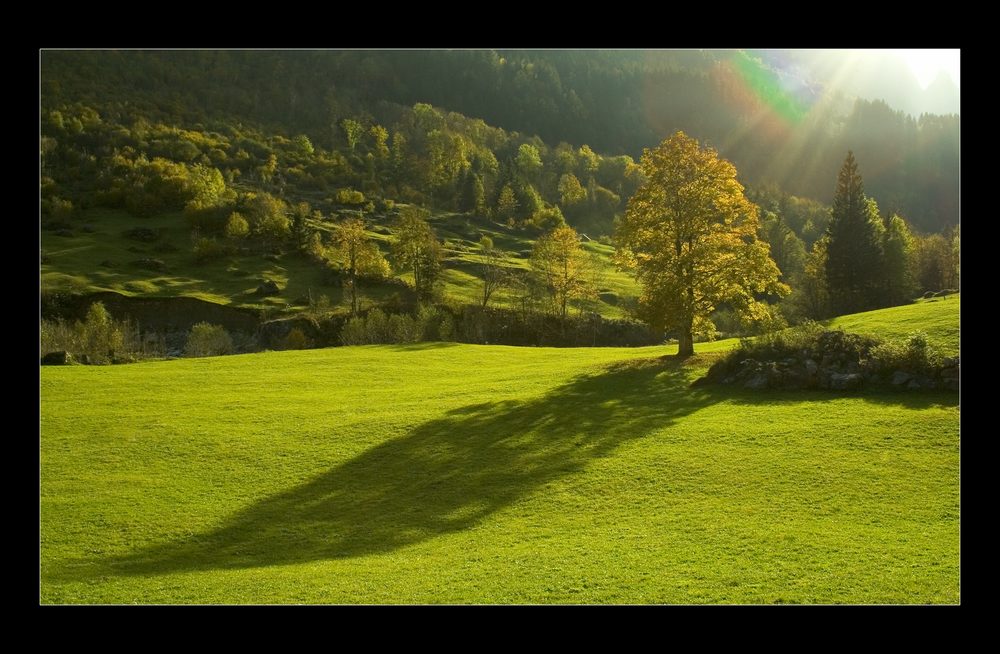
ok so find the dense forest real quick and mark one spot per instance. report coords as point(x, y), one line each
point(615, 102)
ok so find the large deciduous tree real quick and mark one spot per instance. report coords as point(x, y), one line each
point(415, 249)
point(690, 234)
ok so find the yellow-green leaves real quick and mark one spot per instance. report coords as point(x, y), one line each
point(690, 235)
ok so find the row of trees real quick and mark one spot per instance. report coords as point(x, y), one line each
point(560, 267)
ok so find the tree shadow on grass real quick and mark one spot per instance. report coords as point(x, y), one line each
point(444, 476)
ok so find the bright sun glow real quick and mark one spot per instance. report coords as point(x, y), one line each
point(926, 64)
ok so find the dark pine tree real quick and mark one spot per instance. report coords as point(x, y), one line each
point(854, 255)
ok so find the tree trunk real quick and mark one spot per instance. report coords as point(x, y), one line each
point(354, 295)
point(685, 347)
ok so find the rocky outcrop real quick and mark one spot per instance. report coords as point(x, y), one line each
point(837, 361)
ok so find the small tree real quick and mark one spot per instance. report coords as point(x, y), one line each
point(415, 249)
point(237, 227)
point(359, 256)
point(268, 217)
point(102, 337)
point(300, 230)
point(899, 252)
point(507, 205)
point(563, 267)
point(494, 274)
point(353, 132)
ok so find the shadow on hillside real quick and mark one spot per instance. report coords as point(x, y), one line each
point(423, 345)
point(444, 476)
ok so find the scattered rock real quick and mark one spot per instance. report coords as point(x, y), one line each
point(899, 378)
point(846, 381)
point(837, 361)
point(268, 287)
point(61, 358)
point(951, 373)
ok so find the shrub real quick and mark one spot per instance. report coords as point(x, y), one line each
point(427, 323)
point(99, 339)
point(548, 218)
point(912, 354)
point(208, 218)
point(350, 197)
point(354, 332)
point(446, 328)
point(297, 340)
point(401, 328)
point(377, 327)
point(208, 249)
point(207, 340)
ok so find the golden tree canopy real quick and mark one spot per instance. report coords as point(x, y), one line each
point(690, 234)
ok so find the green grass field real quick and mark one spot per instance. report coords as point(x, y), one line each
point(938, 317)
point(440, 473)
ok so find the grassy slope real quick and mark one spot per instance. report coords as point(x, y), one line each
point(395, 474)
point(937, 316)
point(74, 264)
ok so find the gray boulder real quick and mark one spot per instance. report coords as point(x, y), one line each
point(899, 378)
point(845, 381)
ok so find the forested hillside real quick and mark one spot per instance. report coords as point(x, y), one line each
point(617, 102)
